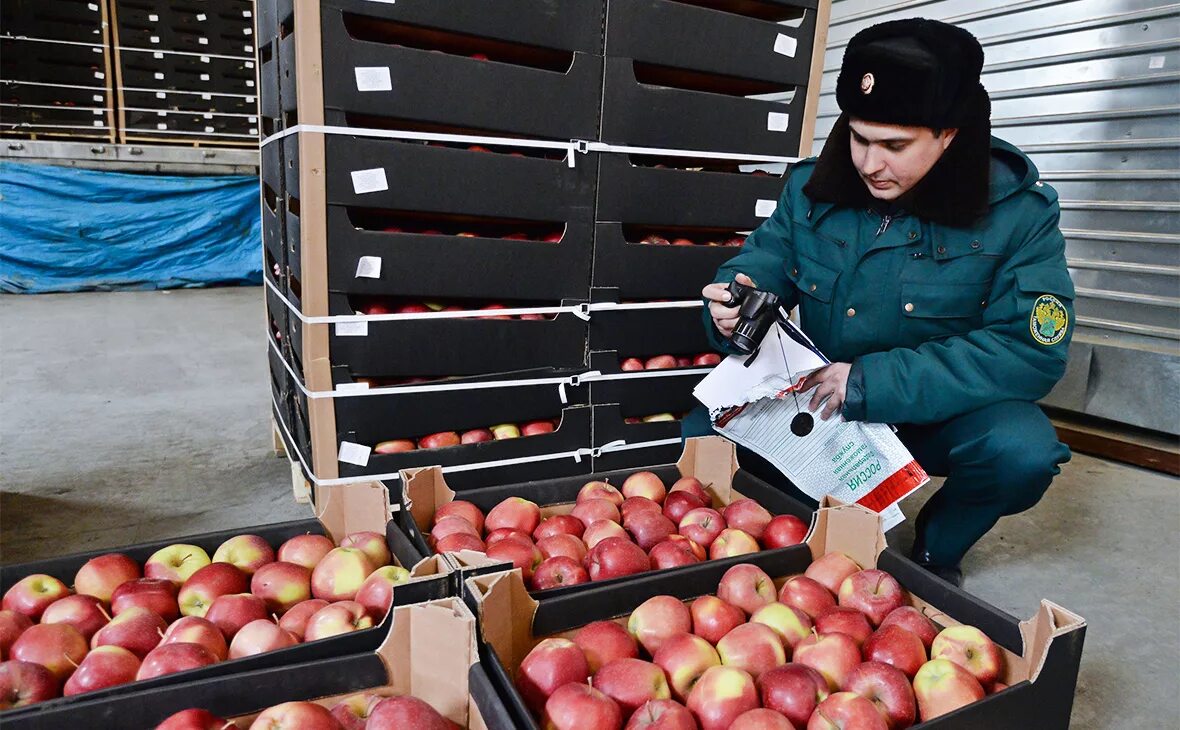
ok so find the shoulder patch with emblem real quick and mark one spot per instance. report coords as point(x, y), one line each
point(1049, 320)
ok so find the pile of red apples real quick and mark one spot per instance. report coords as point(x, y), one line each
point(658, 240)
point(611, 532)
point(182, 610)
point(446, 439)
point(366, 711)
point(668, 362)
point(837, 648)
point(381, 307)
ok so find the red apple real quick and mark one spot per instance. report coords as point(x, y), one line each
point(896, 647)
point(706, 359)
point(649, 528)
point(972, 650)
point(747, 515)
point(915, 621)
point(841, 620)
point(658, 619)
point(754, 647)
point(103, 667)
point(32, 594)
point(85, 613)
point(941, 686)
point(371, 544)
point(233, 611)
point(631, 683)
point(846, 711)
point(206, 584)
point(558, 545)
point(672, 554)
point(679, 503)
point(889, 691)
point(353, 712)
point(631, 365)
point(137, 630)
point(521, 552)
point(600, 490)
point(551, 664)
point(634, 505)
point(503, 431)
point(593, 510)
point(340, 573)
point(536, 428)
point(57, 647)
point(176, 563)
point(296, 716)
point(654, 240)
point(684, 658)
point(559, 571)
point(496, 536)
point(746, 586)
point(455, 543)
point(376, 593)
point(196, 630)
point(720, 696)
point(452, 526)
point(156, 594)
point(833, 656)
point(515, 513)
point(194, 719)
point(476, 436)
point(793, 690)
point(660, 362)
point(100, 576)
point(662, 715)
point(247, 552)
point(615, 557)
point(342, 617)
point(761, 719)
point(713, 618)
point(682, 242)
point(464, 509)
point(784, 531)
point(296, 619)
point(402, 713)
point(260, 636)
point(305, 550)
point(578, 706)
point(600, 530)
point(831, 570)
point(26, 683)
point(395, 446)
point(440, 440)
point(693, 486)
point(604, 641)
point(732, 542)
point(806, 595)
point(559, 525)
point(644, 484)
point(684, 542)
point(12, 625)
point(702, 525)
point(791, 624)
point(874, 593)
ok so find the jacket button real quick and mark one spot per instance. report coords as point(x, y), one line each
point(913, 235)
point(909, 306)
point(975, 244)
point(794, 272)
point(813, 287)
point(983, 303)
point(851, 312)
point(942, 249)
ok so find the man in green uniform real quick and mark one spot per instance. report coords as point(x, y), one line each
point(927, 263)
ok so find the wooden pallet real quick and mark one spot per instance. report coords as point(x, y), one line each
point(1118, 442)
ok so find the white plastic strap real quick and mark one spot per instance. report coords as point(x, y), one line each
point(610, 306)
point(628, 150)
point(422, 136)
point(596, 376)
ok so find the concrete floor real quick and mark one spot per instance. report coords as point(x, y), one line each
point(136, 416)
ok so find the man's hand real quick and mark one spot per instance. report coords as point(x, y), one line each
point(724, 317)
point(828, 381)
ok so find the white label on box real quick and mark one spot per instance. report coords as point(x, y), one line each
point(154, 18)
point(352, 329)
point(373, 78)
point(248, 49)
point(98, 112)
point(201, 17)
point(204, 77)
point(247, 14)
point(99, 75)
point(247, 31)
point(208, 115)
point(1156, 62)
point(161, 95)
point(253, 130)
point(369, 181)
point(210, 129)
point(206, 97)
point(154, 39)
point(786, 45)
point(249, 64)
point(98, 98)
point(352, 387)
point(764, 208)
point(368, 267)
point(161, 126)
point(351, 453)
point(250, 84)
point(249, 100)
point(203, 41)
point(157, 55)
point(92, 6)
point(204, 59)
point(778, 121)
point(161, 114)
point(98, 123)
point(251, 120)
point(159, 76)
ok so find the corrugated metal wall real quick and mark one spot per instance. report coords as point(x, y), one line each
point(1090, 89)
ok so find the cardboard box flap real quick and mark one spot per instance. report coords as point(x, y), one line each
point(347, 508)
point(429, 566)
point(713, 460)
point(472, 559)
point(849, 529)
point(503, 601)
point(428, 652)
point(1049, 622)
point(424, 490)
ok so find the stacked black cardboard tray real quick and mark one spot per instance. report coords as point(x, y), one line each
point(55, 70)
point(420, 158)
point(186, 70)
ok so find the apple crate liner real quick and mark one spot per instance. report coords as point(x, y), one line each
point(422, 652)
point(1042, 654)
point(711, 460)
point(436, 584)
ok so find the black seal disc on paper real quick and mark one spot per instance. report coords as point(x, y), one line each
point(802, 424)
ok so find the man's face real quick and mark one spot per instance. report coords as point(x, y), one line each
point(891, 159)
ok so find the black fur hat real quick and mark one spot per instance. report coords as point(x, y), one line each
point(913, 72)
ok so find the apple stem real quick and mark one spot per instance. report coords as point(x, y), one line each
point(160, 632)
point(70, 660)
point(275, 616)
point(103, 611)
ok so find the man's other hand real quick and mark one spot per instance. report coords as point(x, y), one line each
point(725, 318)
point(829, 382)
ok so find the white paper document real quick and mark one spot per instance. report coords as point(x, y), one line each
point(756, 402)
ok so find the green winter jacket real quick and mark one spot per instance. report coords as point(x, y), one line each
point(936, 321)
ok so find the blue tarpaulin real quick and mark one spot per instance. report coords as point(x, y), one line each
point(64, 229)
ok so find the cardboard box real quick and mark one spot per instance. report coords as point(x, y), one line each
point(750, 43)
point(544, 79)
point(713, 460)
point(339, 511)
point(273, 205)
point(655, 442)
point(428, 651)
point(1042, 653)
point(671, 330)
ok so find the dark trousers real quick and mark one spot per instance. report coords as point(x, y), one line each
point(998, 461)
